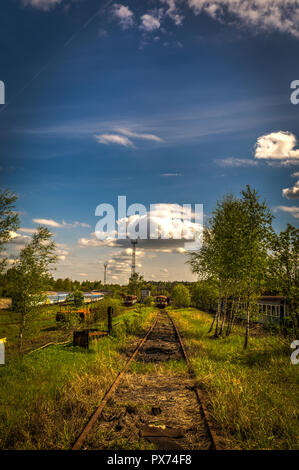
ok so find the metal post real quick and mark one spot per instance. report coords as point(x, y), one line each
point(105, 272)
point(134, 243)
point(110, 313)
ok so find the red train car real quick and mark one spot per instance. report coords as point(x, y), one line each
point(161, 301)
point(130, 300)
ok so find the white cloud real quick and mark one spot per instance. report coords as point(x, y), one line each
point(124, 15)
point(170, 174)
point(277, 146)
point(17, 238)
point(44, 5)
point(27, 230)
point(173, 12)
point(296, 174)
point(120, 262)
point(63, 224)
point(49, 222)
point(167, 226)
point(94, 241)
point(235, 162)
point(122, 137)
point(293, 210)
point(114, 139)
point(137, 135)
point(291, 193)
point(171, 224)
point(149, 22)
point(262, 15)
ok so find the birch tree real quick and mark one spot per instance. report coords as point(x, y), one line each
point(255, 238)
point(32, 277)
point(284, 270)
point(9, 221)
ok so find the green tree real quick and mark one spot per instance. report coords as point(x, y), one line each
point(136, 282)
point(219, 259)
point(32, 277)
point(181, 296)
point(235, 254)
point(255, 238)
point(284, 269)
point(204, 295)
point(9, 221)
point(77, 297)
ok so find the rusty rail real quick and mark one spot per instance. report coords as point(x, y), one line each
point(198, 392)
point(79, 442)
point(213, 437)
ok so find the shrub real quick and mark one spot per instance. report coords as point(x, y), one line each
point(148, 301)
point(181, 296)
point(100, 311)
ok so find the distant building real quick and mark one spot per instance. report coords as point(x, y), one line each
point(145, 293)
point(271, 308)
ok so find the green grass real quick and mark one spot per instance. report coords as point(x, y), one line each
point(47, 397)
point(42, 328)
point(252, 394)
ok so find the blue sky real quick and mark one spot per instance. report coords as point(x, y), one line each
point(164, 101)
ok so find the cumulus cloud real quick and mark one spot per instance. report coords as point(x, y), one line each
point(173, 11)
point(93, 241)
point(235, 162)
point(120, 262)
point(124, 15)
point(44, 5)
point(63, 224)
point(293, 210)
point(262, 15)
point(291, 193)
point(278, 146)
point(150, 22)
point(165, 221)
point(165, 228)
point(17, 238)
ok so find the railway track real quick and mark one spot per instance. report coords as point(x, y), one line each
point(163, 409)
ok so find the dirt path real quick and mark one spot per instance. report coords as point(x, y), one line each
point(155, 407)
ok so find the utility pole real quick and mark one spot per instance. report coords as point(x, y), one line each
point(105, 271)
point(134, 243)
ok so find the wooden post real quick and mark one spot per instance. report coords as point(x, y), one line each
point(110, 313)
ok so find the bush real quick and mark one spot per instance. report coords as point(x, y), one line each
point(100, 311)
point(181, 296)
point(148, 301)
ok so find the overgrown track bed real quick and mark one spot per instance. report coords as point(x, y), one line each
point(155, 403)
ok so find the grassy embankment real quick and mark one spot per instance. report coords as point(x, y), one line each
point(47, 396)
point(252, 394)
